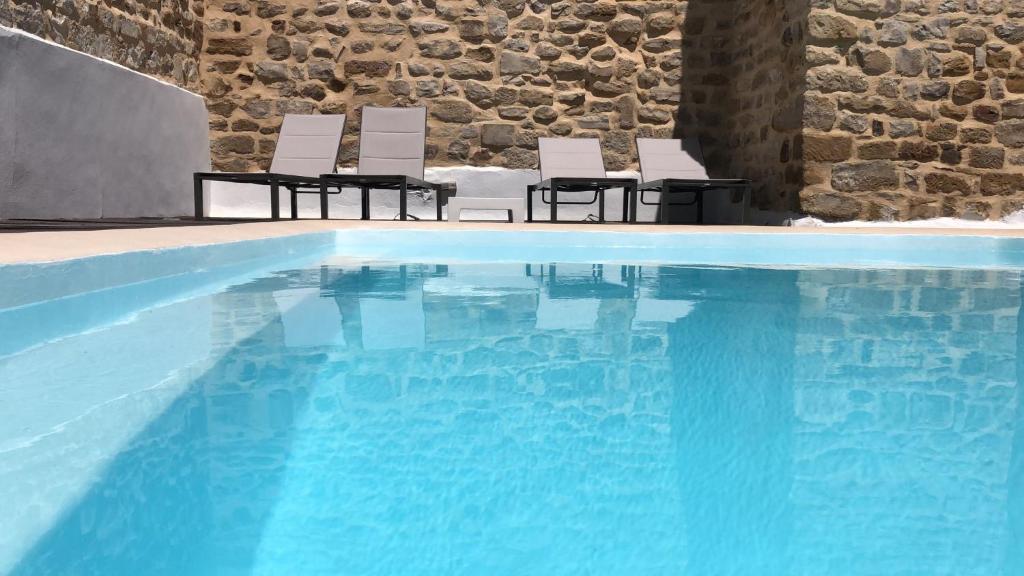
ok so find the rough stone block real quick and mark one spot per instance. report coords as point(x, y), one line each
point(830, 205)
point(947, 183)
point(825, 26)
point(918, 151)
point(870, 175)
point(1002, 184)
point(513, 64)
point(497, 135)
point(452, 110)
point(827, 148)
point(986, 157)
point(880, 150)
point(1010, 133)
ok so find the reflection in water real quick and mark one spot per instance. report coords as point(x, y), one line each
point(906, 400)
point(571, 419)
point(1014, 549)
point(732, 416)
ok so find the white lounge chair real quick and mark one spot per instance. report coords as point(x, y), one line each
point(308, 145)
point(576, 165)
point(676, 167)
point(391, 157)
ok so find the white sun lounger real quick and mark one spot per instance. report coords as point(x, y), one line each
point(576, 165)
point(391, 157)
point(676, 167)
point(308, 145)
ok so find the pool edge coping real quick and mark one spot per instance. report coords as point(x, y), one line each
point(56, 246)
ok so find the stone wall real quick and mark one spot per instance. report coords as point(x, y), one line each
point(879, 109)
point(742, 92)
point(914, 109)
point(161, 38)
point(495, 75)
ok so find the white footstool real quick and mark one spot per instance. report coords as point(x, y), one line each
point(516, 207)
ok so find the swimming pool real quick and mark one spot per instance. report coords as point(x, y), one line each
point(373, 402)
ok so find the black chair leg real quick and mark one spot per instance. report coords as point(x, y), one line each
point(197, 195)
point(554, 201)
point(402, 200)
point(633, 201)
point(625, 204)
point(323, 200)
point(600, 206)
point(295, 204)
point(364, 203)
point(529, 202)
point(275, 200)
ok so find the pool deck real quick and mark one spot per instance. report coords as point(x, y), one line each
point(50, 246)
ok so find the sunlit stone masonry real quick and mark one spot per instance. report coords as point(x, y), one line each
point(914, 108)
point(882, 109)
point(494, 74)
point(161, 38)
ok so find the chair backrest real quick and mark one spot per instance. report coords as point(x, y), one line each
point(392, 141)
point(570, 158)
point(308, 144)
point(663, 158)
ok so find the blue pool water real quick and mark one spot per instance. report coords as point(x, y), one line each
point(339, 416)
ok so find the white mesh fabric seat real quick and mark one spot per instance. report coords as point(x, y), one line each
point(308, 145)
point(575, 165)
point(674, 166)
point(663, 158)
point(570, 158)
point(392, 144)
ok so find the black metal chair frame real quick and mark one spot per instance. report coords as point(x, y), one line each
point(294, 184)
point(595, 185)
point(670, 186)
point(404, 184)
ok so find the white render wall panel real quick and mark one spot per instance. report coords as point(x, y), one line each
point(81, 137)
